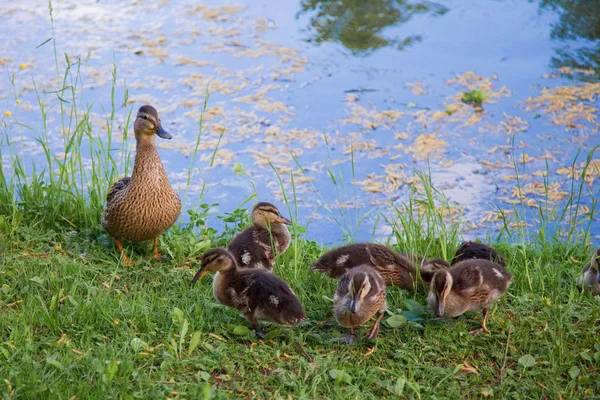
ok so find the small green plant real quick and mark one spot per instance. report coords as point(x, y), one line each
point(475, 97)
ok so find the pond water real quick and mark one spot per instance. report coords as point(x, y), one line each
point(346, 100)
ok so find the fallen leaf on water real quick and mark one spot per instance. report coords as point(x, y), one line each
point(417, 88)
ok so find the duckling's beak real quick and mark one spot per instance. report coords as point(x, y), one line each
point(439, 309)
point(162, 133)
point(200, 274)
point(354, 305)
point(283, 220)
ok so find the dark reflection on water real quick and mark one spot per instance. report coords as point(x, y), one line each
point(577, 31)
point(359, 25)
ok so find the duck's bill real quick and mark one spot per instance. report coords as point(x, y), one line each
point(162, 133)
point(199, 275)
point(354, 306)
point(284, 220)
point(439, 309)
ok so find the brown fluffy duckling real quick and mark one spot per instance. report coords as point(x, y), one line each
point(360, 295)
point(469, 250)
point(468, 286)
point(144, 205)
point(396, 269)
point(257, 246)
point(590, 280)
point(256, 293)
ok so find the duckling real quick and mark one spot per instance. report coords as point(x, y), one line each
point(144, 205)
point(468, 286)
point(590, 280)
point(469, 250)
point(396, 269)
point(257, 246)
point(360, 294)
point(256, 293)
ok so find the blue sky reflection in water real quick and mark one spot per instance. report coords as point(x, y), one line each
point(366, 91)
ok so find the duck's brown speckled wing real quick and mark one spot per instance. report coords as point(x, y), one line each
point(479, 277)
point(117, 187)
point(470, 250)
point(395, 268)
point(252, 248)
point(269, 297)
point(337, 262)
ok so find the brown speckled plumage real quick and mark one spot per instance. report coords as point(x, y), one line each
point(470, 250)
point(144, 205)
point(360, 295)
point(590, 279)
point(469, 285)
point(396, 269)
point(257, 246)
point(256, 293)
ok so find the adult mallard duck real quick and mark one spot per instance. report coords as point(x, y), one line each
point(590, 280)
point(469, 285)
point(469, 250)
point(396, 269)
point(257, 246)
point(144, 205)
point(360, 295)
point(256, 293)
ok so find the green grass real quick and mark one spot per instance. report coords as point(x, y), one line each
point(75, 321)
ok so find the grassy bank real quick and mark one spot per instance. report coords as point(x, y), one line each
point(77, 322)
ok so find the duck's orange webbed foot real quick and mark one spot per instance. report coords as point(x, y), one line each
point(126, 260)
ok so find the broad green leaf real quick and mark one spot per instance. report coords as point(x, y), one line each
point(399, 386)
point(5, 289)
point(411, 317)
point(340, 376)
point(177, 316)
point(98, 365)
point(111, 369)
point(396, 321)
point(55, 363)
point(414, 307)
point(574, 372)
point(416, 325)
point(527, 361)
point(5, 352)
point(137, 344)
point(194, 341)
point(273, 333)
point(205, 376)
point(73, 302)
point(37, 280)
point(586, 356)
point(240, 330)
point(206, 391)
point(183, 331)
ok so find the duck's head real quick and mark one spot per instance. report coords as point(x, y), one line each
point(214, 260)
point(441, 285)
point(596, 260)
point(435, 264)
point(595, 265)
point(266, 214)
point(359, 287)
point(147, 124)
